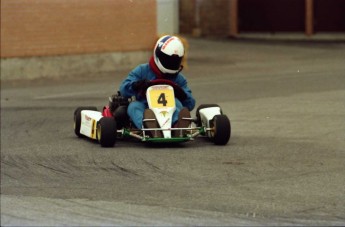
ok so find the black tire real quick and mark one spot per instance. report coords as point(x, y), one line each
point(77, 118)
point(106, 131)
point(203, 106)
point(121, 117)
point(222, 129)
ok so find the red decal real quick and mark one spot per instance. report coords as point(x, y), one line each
point(167, 42)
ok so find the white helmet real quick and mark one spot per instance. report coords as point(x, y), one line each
point(168, 54)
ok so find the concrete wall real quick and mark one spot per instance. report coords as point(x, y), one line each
point(167, 17)
point(86, 65)
point(54, 32)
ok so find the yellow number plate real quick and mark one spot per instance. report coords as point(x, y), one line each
point(162, 98)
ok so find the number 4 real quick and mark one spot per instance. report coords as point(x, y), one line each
point(162, 99)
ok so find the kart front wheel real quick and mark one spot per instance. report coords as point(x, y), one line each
point(106, 131)
point(221, 129)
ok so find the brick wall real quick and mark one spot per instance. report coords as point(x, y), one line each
point(187, 16)
point(213, 16)
point(69, 27)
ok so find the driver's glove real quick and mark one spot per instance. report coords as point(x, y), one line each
point(179, 93)
point(140, 85)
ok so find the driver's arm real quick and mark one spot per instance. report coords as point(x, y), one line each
point(189, 101)
point(126, 87)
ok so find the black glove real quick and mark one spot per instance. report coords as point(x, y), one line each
point(141, 85)
point(179, 93)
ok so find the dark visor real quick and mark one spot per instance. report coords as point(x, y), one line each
point(169, 62)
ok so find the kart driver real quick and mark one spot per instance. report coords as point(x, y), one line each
point(164, 64)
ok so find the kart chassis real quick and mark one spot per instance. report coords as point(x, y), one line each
point(106, 127)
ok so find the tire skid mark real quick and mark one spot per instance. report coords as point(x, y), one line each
point(28, 165)
point(152, 166)
point(52, 168)
point(9, 176)
point(19, 162)
point(158, 170)
point(68, 166)
point(109, 166)
point(60, 166)
point(123, 170)
point(11, 164)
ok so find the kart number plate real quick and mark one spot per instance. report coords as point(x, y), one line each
point(162, 98)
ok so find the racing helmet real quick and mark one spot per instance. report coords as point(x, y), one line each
point(168, 54)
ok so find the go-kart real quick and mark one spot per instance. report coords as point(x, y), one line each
point(113, 122)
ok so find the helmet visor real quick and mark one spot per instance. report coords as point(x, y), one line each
point(172, 62)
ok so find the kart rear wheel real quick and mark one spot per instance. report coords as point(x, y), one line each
point(106, 131)
point(77, 118)
point(222, 129)
point(203, 106)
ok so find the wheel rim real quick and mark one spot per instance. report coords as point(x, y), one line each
point(74, 123)
point(214, 128)
point(99, 134)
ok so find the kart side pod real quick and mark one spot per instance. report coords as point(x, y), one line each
point(206, 116)
point(218, 127)
point(89, 121)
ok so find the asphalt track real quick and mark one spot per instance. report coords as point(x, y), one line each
point(284, 164)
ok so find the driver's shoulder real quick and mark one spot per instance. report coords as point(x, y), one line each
point(145, 69)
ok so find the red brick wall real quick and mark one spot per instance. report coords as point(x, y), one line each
point(213, 17)
point(64, 27)
point(187, 16)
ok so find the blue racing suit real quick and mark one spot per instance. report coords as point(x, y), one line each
point(136, 108)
